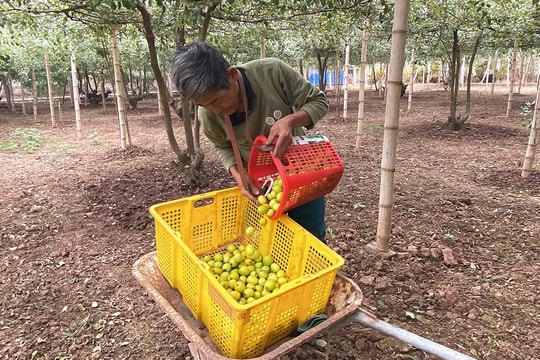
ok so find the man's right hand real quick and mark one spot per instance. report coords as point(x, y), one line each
point(252, 191)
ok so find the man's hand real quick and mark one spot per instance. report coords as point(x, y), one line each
point(281, 132)
point(281, 136)
point(252, 191)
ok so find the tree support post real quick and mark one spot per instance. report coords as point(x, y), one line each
point(391, 122)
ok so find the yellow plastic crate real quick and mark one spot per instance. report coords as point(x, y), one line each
point(189, 228)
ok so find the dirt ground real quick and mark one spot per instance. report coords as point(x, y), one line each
point(74, 219)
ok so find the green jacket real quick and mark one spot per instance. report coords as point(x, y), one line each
point(277, 87)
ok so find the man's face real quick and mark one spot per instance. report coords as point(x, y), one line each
point(225, 101)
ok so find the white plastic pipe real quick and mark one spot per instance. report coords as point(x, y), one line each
point(408, 337)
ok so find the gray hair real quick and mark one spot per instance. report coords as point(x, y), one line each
point(197, 69)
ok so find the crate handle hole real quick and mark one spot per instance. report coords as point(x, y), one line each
point(203, 202)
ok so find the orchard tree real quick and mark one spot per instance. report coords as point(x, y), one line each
point(464, 25)
point(516, 28)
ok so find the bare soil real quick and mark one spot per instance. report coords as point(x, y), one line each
point(466, 232)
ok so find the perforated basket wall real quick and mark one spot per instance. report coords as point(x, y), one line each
point(189, 228)
point(307, 171)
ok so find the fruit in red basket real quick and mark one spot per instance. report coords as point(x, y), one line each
point(263, 209)
point(271, 195)
point(270, 202)
point(250, 230)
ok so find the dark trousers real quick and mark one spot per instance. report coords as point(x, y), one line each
point(311, 217)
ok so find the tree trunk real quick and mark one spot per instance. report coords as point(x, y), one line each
point(508, 69)
point(429, 74)
point(411, 82)
point(534, 136)
point(5, 85)
point(23, 98)
point(12, 92)
point(494, 80)
point(462, 78)
point(50, 89)
point(386, 81)
point(322, 70)
point(391, 122)
point(512, 74)
point(525, 78)
point(375, 80)
point(119, 93)
point(486, 73)
point(337, 89)
point(361, 91)
point(76, 97)
point(520, 73)
point(441, 75)
point(453, 81)
point(346, 82)
point(469, 76)
point(34, 93)
point(59, 104)
point(190, 161)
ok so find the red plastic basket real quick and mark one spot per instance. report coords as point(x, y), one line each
point(308, 170)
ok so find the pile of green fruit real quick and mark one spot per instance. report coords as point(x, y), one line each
point(245, 273)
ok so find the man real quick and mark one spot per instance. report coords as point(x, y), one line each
point(263, 96)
